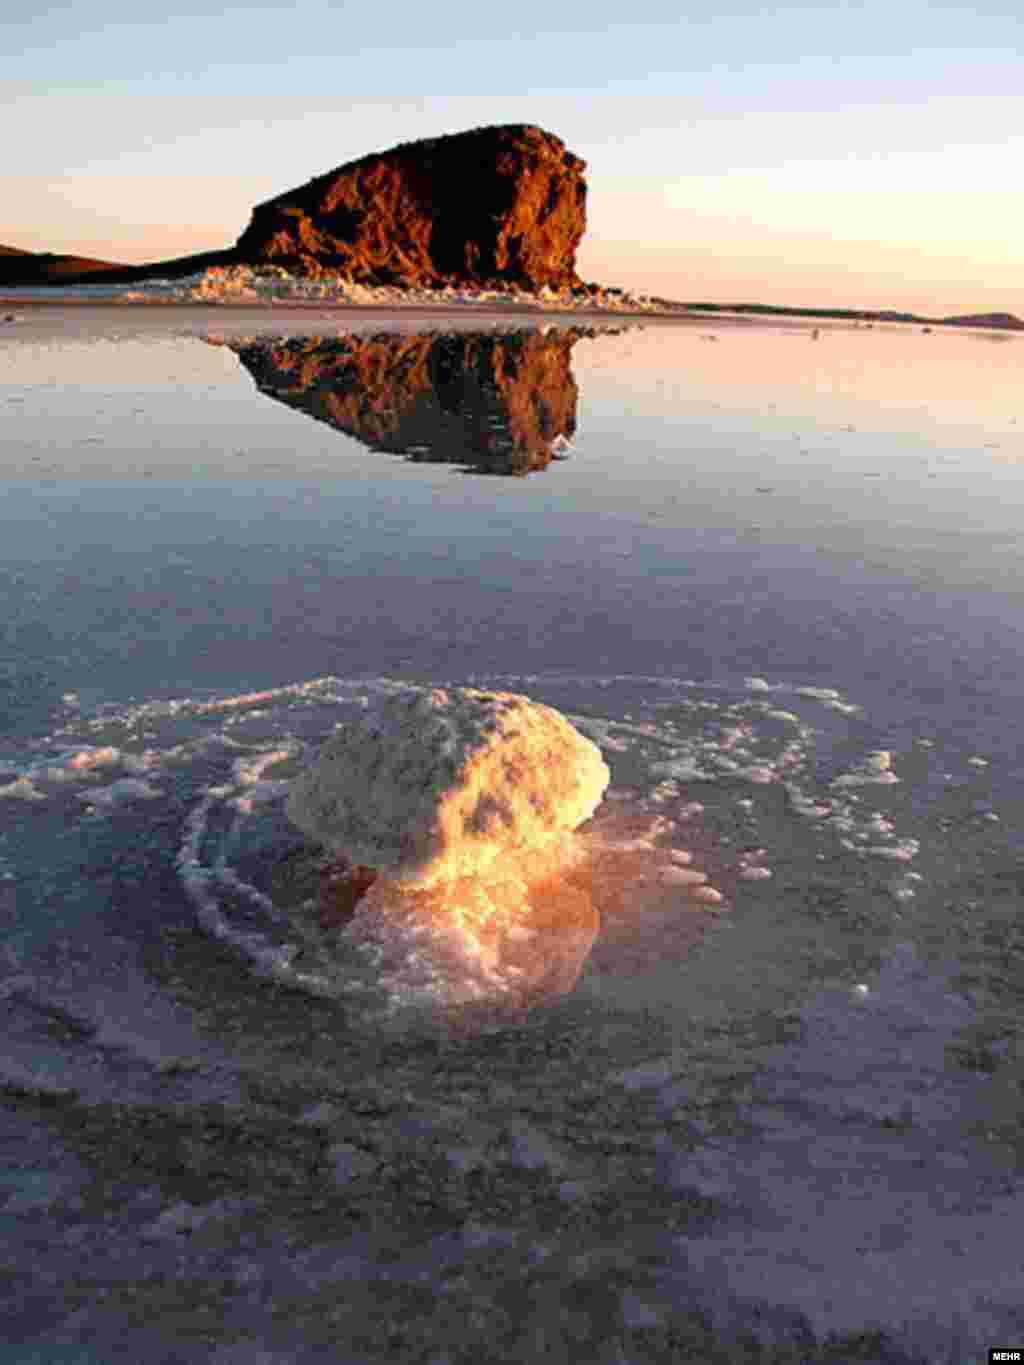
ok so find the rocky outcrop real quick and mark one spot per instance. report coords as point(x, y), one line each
point(499, 205)
point(494, 404)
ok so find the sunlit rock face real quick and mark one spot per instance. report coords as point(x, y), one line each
point(496, 404)
point(496, 205)
point(438, 785)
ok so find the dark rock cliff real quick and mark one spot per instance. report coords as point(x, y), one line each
point(501, 205)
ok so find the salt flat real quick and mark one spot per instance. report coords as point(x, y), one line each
point(766, 559)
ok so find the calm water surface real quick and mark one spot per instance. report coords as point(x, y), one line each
point(194, 511)
point(838, 512)
point(772, 570)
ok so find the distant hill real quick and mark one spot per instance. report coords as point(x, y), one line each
point(1003, 320)
point(19, 267)
point(1009, 321)
point(44, 267)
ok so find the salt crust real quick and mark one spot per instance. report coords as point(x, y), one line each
point(244, 284)
point(437, 785)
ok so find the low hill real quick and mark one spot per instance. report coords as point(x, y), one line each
point(1008, 321)
point(19, 267)
point(45, 267)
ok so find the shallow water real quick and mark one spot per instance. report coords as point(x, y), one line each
point(772, 576)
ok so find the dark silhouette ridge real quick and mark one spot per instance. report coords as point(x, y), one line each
point(1003, 320)
point(45, 269)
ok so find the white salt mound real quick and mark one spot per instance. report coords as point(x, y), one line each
point(437, 785)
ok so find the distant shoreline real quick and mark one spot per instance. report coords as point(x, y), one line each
point(734, 315)
point(264, 308)
point(1000, 321)
point(34, 272)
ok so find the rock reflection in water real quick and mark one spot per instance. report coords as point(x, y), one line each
point(491, 403)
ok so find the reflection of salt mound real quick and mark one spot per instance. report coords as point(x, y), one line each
point(464, 802)
point(437, 785)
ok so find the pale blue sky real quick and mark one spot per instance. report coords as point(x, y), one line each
point(855, 154)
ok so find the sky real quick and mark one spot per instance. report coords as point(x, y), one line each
point(849, 155)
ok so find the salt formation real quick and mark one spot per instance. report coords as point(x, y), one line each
point(455, 808)
point(241, 284)
point(440, 785)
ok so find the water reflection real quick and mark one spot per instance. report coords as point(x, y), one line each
point(490, 403)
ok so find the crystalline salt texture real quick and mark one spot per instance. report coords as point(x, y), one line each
point(439, 784)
